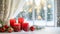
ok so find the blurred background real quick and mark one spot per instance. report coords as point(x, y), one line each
point(36, 12)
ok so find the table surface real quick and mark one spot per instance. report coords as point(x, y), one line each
point(46, 30)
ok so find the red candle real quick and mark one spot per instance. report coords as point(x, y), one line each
point(12, 21)
point(20, 20)
point(25, 26)
point(17, 27)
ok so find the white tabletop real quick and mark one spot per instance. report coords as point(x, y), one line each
point(46, 30)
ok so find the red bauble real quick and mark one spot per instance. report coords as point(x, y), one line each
point(32, 28)
point(6, 26)
point(3, 29)
point(10, 29)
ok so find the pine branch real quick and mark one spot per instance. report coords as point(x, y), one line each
point(1, 22)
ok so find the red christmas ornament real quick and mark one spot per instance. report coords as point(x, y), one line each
point(3, 29)
point(32, 28)
point(6, 26)
point(10, 29)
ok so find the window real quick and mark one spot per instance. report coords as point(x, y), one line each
point(38, 12)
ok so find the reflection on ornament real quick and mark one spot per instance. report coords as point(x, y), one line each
point(49, 6)
point(39, 17)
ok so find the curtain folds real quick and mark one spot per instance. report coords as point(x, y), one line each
point(13, 8)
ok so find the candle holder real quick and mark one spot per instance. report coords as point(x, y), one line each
point(17, 27)
point(12, 21)
point(25, 26)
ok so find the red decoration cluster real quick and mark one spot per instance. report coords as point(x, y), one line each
point(21, 25)
point(16, 27)
point(6, 28)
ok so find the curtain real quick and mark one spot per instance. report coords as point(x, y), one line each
point(13, 8)
point(12, 5)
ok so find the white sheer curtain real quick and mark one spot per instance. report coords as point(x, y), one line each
point(14, 7)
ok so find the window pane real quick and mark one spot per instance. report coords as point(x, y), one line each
point(50, 10)
point(40, 12)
